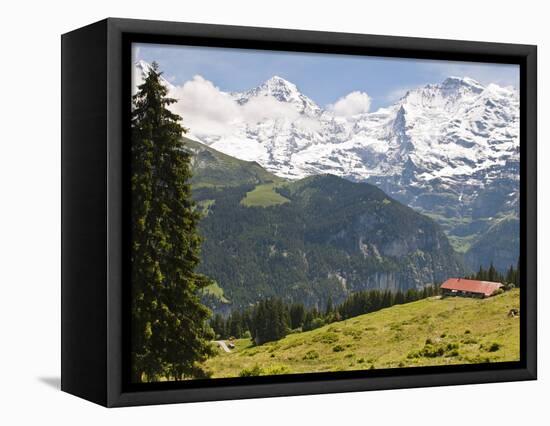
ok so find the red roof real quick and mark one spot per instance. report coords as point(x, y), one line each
point(471, 286)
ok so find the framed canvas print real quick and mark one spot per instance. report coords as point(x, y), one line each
point(252, 212)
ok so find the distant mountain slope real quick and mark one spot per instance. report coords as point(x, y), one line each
point(213, 168)
point(450, 150)
point(324, 236)
point(500, 243)
point(423, 333)
point(453, 139)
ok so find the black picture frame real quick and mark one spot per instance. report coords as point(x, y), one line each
point(95, 107)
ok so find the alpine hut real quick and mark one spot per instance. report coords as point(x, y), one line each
point(469, 288)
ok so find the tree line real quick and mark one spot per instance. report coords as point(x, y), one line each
point(272, 319)
point(509, 278)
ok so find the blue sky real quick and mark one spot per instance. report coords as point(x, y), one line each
point(324, 78)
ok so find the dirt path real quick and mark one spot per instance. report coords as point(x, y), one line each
point(222, 345)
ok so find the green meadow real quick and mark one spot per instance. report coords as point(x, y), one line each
point(264, 195)
point(427, 332)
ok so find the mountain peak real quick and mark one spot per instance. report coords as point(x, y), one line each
point(454, 83)
point(279, 80)
point(448, 95)
point(282, 90)
point(144, 66)
point(279, 86)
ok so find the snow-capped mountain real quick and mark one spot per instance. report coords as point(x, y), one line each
point(283, 91)
point(140, 71)
point(455, 139)
point(442, 131)
point(449, 149)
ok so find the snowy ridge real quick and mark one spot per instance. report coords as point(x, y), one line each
point(457, 137)
point(446, 130)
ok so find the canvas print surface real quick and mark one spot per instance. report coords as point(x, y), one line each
point(304, 213)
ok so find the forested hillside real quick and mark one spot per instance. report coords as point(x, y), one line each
point(308, 240)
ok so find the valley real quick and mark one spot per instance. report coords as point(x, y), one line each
point(308, 240)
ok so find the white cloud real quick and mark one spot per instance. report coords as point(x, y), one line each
point(262, 108)
point(206, 110)
point(352, 104)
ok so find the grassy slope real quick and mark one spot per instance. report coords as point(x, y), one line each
point(264, 195)
point(213, 168)
point(461, 331)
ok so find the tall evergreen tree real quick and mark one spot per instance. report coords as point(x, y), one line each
point(297, 315)
point(330, 306)
point(235, 325)
point(270, 321)
point(169, 324)
point(481, 274)
point(511, 275)
point(218, 325)
point(492, 273)
point(387, 299)
point(399, 298)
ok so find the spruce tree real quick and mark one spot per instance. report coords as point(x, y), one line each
point(297, 315)
point(330, 306)
point(169, 324)
point(399, 298)
point(492, 273)
point(510, 275)
point(218, 325)
point(308, 321)
point(481, 274)
point(235, 325)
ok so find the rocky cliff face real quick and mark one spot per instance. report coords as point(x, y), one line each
point(408, 249)
point(326, 236)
